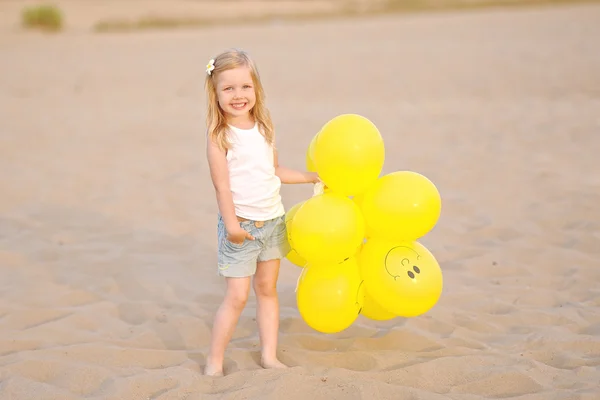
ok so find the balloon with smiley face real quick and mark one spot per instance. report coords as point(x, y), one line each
point(401, 276)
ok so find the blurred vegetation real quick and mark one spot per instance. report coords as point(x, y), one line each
point(152, 23)
point(45, 17)
point(409, 5)
point(345, 8)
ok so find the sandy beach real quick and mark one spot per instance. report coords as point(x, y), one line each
point(108, 216)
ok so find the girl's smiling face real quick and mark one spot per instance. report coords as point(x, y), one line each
point(235, 92)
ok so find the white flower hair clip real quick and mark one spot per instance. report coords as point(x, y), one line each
point(210, 66)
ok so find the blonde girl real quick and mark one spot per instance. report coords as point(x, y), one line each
point(247, 177)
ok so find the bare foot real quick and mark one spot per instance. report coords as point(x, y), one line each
point(213, 370)
point(274, 363)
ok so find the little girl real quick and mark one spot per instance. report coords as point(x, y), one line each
point(247, 177)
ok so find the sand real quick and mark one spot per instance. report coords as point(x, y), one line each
point(108, 218)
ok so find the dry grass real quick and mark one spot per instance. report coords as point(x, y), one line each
point(45, 17)
point(158, 22)
point(427, 5)
point(344, 9)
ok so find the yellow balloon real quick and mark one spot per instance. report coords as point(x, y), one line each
point(310, 155)
point(349, 154)
point(330, 296)
point(403, 277)
point(291, 213)
point(402, 205)
point(373, 310)
point(358, 199)
point(293, 255)
point(327, 228)
point(296, 259)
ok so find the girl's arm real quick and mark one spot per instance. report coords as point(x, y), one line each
point(287, 175)
point(217, 163)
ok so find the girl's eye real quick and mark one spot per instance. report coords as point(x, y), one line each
point(247, 86)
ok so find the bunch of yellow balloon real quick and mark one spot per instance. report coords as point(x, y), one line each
point(357, 241)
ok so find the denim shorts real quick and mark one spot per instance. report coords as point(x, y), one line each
point(239, 260)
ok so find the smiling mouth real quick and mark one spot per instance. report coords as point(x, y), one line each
point(238, 106)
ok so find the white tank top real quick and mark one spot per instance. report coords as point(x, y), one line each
point(252, 179)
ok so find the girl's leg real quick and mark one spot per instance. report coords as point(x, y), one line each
point(225, 321)
point(267, 312)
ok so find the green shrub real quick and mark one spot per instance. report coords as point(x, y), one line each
point(44, 17)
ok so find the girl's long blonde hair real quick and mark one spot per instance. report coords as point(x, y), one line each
point(216, 121)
